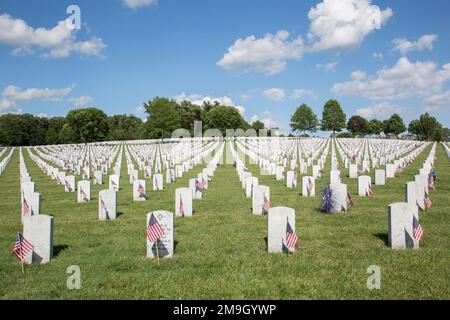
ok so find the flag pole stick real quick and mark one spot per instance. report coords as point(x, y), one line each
point(157, 254)
point(23, 269)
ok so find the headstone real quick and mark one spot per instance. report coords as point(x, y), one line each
point(260, 193)
point(291, 179)
point(308, 186)
point(170, 175)
point(380, 177)
point(411, 192)
point(107, 205)
point(335, 177)
point(183, 202)
point(38, 230)
point(84, 191)
point(98, 177)
point(114, 182)
point(277, 223)
point(196, 188)
point(158, 182)
point(251, 183)
point(164, 246)
point(139, 191)
point(35, 203)
point(390, 170)
point(134, 175)
point(400, 225)
point(364, 186)
point(61, 178)
point(339, 198)
point(353, 171)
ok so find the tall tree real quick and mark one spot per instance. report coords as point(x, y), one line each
point(394, 125)
point(190, 113)
point(124, 127)
point(163, 118)
point(88, 124)
point(304, 119)
point(258, 125)
point(375, 126)
point(358, 125)
point(224, 117)
point(333, 117)
point(426, 128)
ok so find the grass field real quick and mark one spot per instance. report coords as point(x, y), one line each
point(220, 253)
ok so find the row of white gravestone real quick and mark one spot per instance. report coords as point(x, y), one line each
point(6, 160)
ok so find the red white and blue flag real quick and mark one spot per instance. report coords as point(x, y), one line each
point(21, 247)
point(154, 229)
point(417, 229)
point(291, 237)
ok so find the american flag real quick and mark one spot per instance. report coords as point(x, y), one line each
point(369, 191)
point(83, 195)
point(199, 185)
point(114, 185)
point(309, 187)
point(181, 208)
point(326, 199)
point(427, 200)
point(431, 182)
point(154, 229)
point(68, 186)
point(266, 205)
point(349, 199)
point(291, 237)
point(417, 229)
point(353, 157)
point(25, 206)
point(22, 247)
point(141, 191)
point(103, 206)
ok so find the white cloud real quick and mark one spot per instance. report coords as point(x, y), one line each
point(425, 42)
point(327, 66)
point(336, 24)
point(404, 79)
point(138, 3)
point(438, 102)
point(57, 42)
point(268, 55)
point(265, 118)
point(377, 55)
point(12, 94)
point(199, 99)
point(275, 94)
point(300, 93)
point(380, 111)
point(81, 101)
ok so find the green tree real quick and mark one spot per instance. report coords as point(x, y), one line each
point(124, 127)
point(304, 119)
point(258, 125)
point(375, 126)
point(163, 118)
point(88, 125)
point(333, 117)
point(224, 117)
point(67, 135)
point(426, 128)
point(394, 125)
point(55, 125)
point(358, 125)
point(189, 113)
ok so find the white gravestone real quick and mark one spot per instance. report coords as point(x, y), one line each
point(353, 171)
point(35, 203)
point(139, 191)
point(61, 178)
point(420, 192)
point(335, 177)
point(411, 192)
point(158, 182)
point(134, 175)
point(196, 192)
point(251, 183)
point(390, 170)
point(84, 191)
point(291, 178)
point(308, 186)
point(183, 202)
point(245, 175)
point(165, 243)
point(316, 172)
point(400, 225)
point(339, 198)
point(364, 186)
point(259, 192)
point(107, 205)
point(278, 219)
point(98, 177)
point(380, 177)
point(38, 230)
point(170, 176)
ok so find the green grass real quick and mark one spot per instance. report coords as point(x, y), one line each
point(220, 253)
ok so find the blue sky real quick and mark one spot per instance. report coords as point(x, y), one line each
point(265, 57)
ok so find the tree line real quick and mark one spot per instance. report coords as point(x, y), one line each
point(166, 115)
point(334, 119)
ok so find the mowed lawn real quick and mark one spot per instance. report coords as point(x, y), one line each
point(220, 253)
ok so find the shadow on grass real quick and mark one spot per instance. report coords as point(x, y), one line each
point(382, 236)
point(118, 214)
point(59, 248)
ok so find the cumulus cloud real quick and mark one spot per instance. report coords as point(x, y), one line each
point(81, 101)
point(380, 110)
point(199, 99)
point(404, 46)
point(57, 42)
point(133, 4)
point(437, 102)
point(266, 118)
point(13, 94)
point(268, 55)
point(344, 24)
point(275, 94)
point(404, 79)
point(301, 93)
